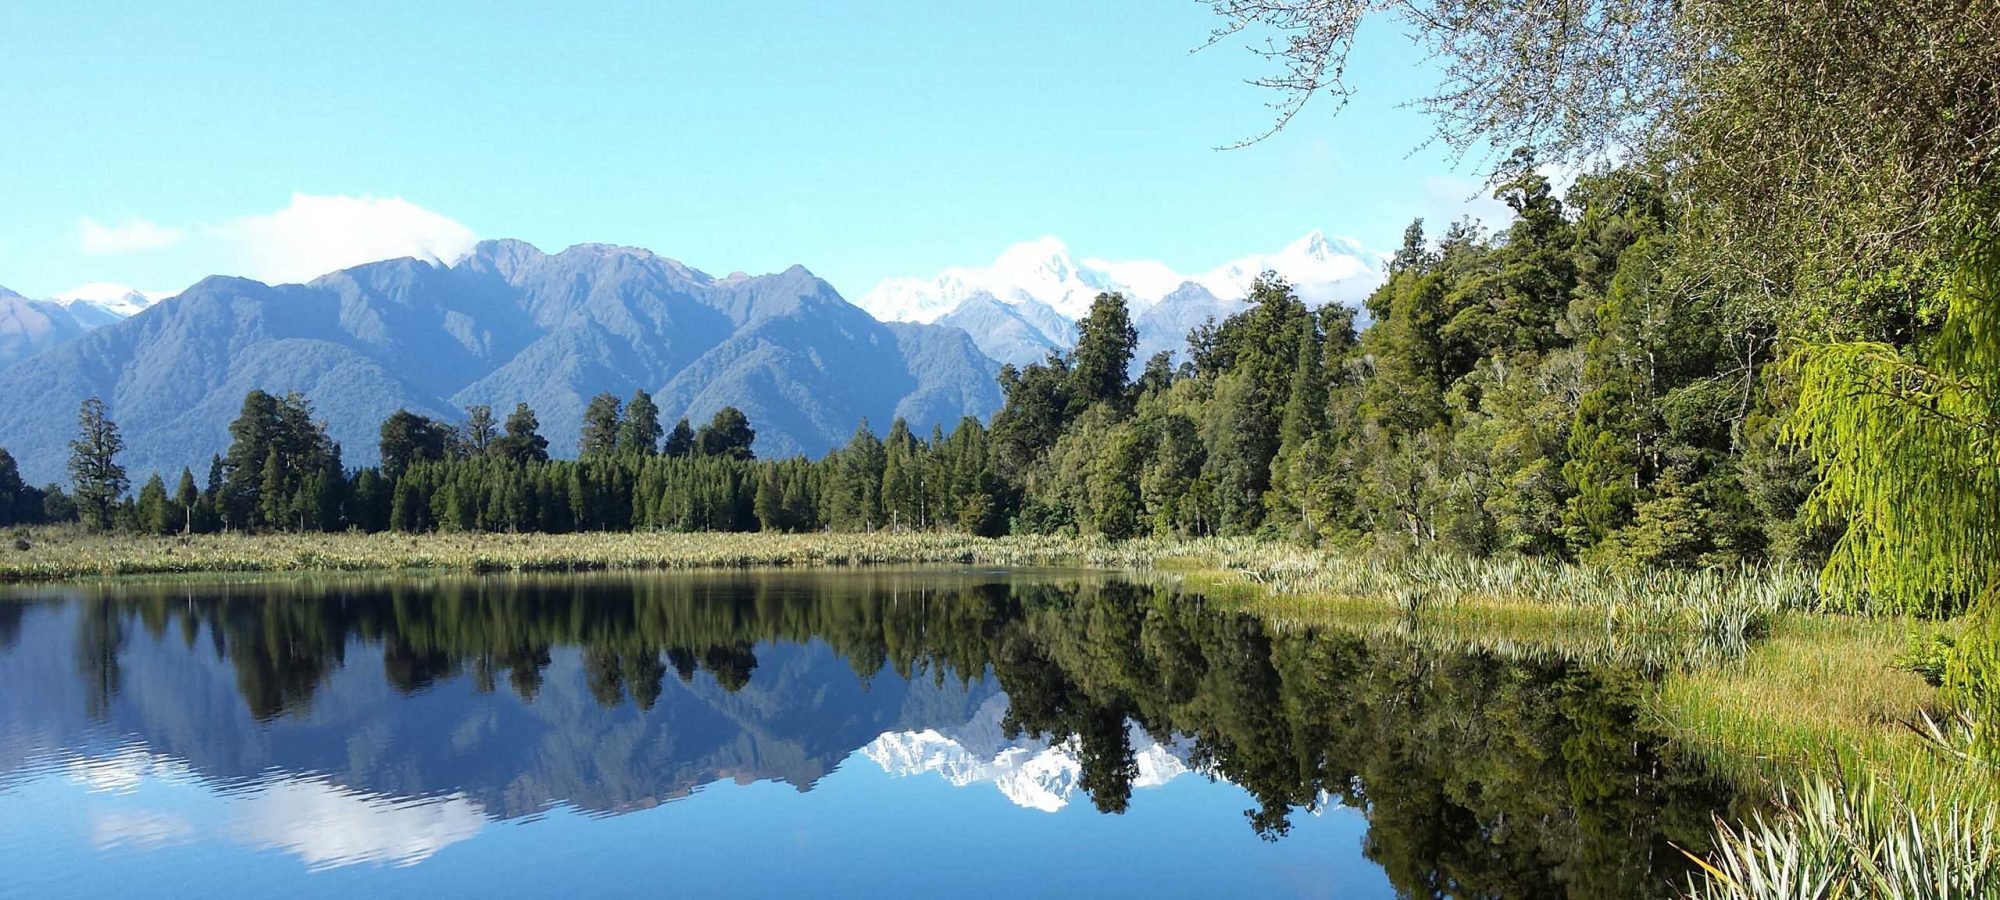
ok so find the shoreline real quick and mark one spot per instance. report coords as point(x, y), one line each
point(1750, 673)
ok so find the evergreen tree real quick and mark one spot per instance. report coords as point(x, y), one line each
point(213, 492)
point(368, 506)
point(523, 441)
point(902, 479)
point(639, 435)
point(155, 514)
point(1104, 344)
point(680, 442)
point(857, 487)
point(728, 435)
point(251, 435)
point(187, 504)
point(93, 464)
point(408, 437)
point(481, 429)
point(770, 502)
point(600, 427)
point(20, 504)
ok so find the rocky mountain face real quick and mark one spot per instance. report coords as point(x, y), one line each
point(505, 324)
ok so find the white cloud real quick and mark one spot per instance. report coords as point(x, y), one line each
point(129, 236)
point(319, 234)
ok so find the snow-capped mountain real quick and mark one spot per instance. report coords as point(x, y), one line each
point(28, 327)
point(107, 301)
point(1010, 306)
point(1030, 772)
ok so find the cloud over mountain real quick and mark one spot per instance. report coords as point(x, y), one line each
point(315, 234)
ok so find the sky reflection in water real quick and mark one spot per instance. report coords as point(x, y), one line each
point(927, 733)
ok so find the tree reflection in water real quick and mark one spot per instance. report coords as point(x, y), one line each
point(1481, 776)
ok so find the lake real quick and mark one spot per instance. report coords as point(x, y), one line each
point(918, 733)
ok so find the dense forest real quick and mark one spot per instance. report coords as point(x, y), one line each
point(1544, 389)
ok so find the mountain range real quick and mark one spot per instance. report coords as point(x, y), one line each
point(28, 327)
point(506, 323)
point(1027, 302)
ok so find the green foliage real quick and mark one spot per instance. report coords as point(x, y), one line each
point(1105, 340)
point(680, 442)
point(1857, 838)
point(1908, 446)
point(523, 441)
point(406, 436)
point(283, 472)
point(728, 435)
point(640, 432)
point(155, 514)
point(93, 464)
point(601, 427)
point(20, 503)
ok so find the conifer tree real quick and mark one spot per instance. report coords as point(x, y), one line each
point(93, 464)
point(523, 441)
point(680, 442)
point(154, 514)
point(728, 435)
point(187, 503)
point(639, 434)
point(600, 427)
point(1105, 340)
point(480, 428)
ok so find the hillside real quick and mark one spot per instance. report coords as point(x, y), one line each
point(505, 324)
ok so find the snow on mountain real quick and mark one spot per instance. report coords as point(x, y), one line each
point(101, 302)
point(1323, 269)
point(1022, 305)
point(1030, 772)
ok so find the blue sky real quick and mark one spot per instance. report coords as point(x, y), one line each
point(155, 143)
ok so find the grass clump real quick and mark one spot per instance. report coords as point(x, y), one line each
point(1837, 838)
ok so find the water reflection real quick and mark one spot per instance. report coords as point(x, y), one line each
point(384, 720)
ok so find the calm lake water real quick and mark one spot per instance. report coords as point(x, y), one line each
point(902, 733)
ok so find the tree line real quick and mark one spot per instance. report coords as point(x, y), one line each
point(1298, 718)
point(282, 472)
point(1539, 390)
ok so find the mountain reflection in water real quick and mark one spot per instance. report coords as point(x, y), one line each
point(385, 720)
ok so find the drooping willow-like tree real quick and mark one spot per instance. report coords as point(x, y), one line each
point(1908, 447)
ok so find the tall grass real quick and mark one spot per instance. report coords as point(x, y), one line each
point(1854, 838)
point(1820, 691)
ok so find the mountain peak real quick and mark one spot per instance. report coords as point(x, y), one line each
point(506, 257)
point(116, 299)
point(1318, 245)
point(601, 249)
point(1321, 267)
